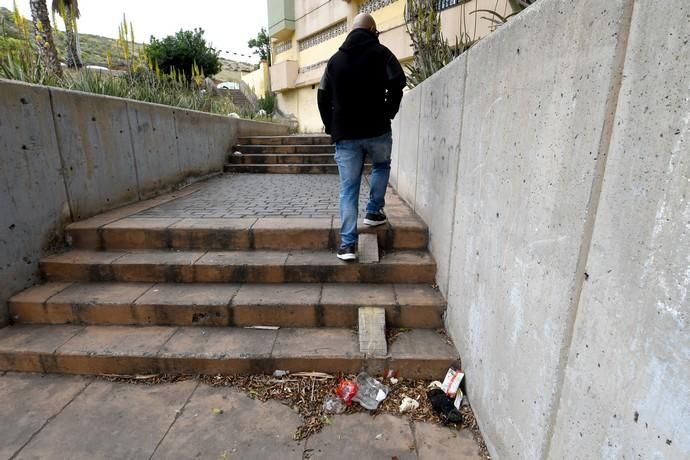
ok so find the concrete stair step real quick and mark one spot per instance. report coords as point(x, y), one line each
point(132, 350)
point(239, 99)
point(286, 140)
point(158, 266)
point(286, 168)
point(284, 149)
point(170, 304)
point(403, 231)
point(281, 168)
point(270, 158)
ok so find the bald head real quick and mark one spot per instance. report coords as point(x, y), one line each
point(364, 21)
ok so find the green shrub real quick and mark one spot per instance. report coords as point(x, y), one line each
point(266, 103)
point(182, 52)
point(144, 85)
point(9, 45)
point(142, 80)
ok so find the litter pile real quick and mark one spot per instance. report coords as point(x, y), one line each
point(318, 396)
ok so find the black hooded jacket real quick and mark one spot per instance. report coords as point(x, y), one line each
point(361, 88)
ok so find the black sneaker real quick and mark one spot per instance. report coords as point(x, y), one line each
point(374, 219)
point(347, 253)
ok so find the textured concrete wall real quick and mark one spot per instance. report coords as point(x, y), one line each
point(260, 128)
point(408, 144)
point(95, 142)
point(193, 143)
point(626, 391)
point(437, 161)
point(530, 151)
point(569, 259)
point(33, 201)
point(155, 142)
point(66, 155)
point(395, 157)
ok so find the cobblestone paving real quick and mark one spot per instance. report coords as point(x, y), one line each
point(260, 195)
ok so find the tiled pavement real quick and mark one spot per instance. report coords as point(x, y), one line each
point(68, 417)
point(260, 195)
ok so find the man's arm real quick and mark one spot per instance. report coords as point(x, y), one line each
point(396, 81)
point(325, 102)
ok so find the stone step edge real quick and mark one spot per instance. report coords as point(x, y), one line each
point(410, 267)
point(294, 168)
point(286, 140)
point(240, 233)
point(137, 304)
point(281, 159)
point(329, 147)
point(129, 350)
point(282, 165)
point(290, 168)
point(262, 155)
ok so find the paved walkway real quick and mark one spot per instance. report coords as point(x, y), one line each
point(69, 417)
point(260, 195)
point(76, 417)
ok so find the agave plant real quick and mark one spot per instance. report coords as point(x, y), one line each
point(498, 19)
point(431, 49)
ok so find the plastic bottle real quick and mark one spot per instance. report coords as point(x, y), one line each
point(370, 392)
point(333, 405)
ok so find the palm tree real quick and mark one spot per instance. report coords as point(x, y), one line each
point(43, 34)
point(69, 12)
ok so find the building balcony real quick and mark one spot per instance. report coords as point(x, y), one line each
point(284, 75)
point(281, 19)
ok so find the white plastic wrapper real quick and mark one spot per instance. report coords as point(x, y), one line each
point(408, 404)
point(457, 402)
point(452, 381)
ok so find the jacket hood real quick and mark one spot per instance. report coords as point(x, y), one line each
point(357, 39)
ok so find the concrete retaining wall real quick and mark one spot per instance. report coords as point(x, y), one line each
point(66, 155)
point(561, 229)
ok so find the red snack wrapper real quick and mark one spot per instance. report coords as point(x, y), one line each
point(346, 390)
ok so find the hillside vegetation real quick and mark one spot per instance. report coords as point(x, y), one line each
point(94, 48)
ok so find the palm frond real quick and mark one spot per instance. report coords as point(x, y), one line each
point(61, 6)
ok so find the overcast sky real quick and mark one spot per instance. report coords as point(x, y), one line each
point(229, 24)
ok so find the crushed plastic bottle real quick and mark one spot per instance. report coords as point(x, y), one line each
point(370, 392)
point(333, 405)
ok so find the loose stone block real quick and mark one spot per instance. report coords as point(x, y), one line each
point(368, 249)
point(372, 331)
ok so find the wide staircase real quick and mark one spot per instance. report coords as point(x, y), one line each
point(137, 294)
point(299, 154)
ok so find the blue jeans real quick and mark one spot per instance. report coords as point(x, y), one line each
point(349, 154)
